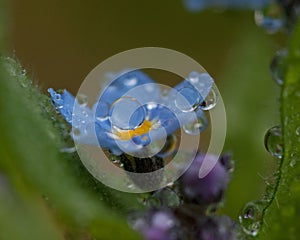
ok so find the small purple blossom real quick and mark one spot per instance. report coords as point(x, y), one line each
point(157, 224)
point(209, 189)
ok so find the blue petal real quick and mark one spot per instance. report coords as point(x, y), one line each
point(63, 102)
point(122, 84)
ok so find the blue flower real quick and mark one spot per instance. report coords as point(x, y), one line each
point(198, 5)
point(131, 111)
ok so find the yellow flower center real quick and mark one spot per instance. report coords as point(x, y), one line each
point(129, 134)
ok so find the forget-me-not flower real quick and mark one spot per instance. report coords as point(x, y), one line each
point(131, 111)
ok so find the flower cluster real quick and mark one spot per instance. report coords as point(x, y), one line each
point(187, 210)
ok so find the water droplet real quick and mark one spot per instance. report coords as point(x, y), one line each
point(151, 105)
point(196, 126)
point(165, 94)
point(151, 202)
point(82, 99)
point(142, 140)
point(75, 132)
point(298, 131)
point(187, 99)
point(169, 147)
point(250, 218)
point(194, 77)
point(130, 82)
point(273, 141)
point(293, 162)
point(270, 18)
point(211, 99)
point(167, 197)
point(278, 66)
point(126, 113)
point(68, 150)
point(102, 111)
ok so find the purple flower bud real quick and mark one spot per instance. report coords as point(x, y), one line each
point(156, 225)
point(209, 189)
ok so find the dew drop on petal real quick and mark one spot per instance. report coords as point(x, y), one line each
point(250, 218)
point(142, 140)
point(197, 126)
point(194, 77)
point(278, 66)
point(102, 111)
point(273, 141)
point(211, 99)
point(130, 82)
point(169, 147)
point(187, 99)
point(126, 113)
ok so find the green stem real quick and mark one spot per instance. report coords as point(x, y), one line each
point(282, 216)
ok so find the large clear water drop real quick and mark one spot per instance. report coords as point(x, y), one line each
point(273, 141)
point(250, 218)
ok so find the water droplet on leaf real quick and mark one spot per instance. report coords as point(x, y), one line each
point(298, 131)
point(68, 149)
point(278, 66)
point(250, 218)
point(273, 141)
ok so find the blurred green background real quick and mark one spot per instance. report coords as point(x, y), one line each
point(59, 42)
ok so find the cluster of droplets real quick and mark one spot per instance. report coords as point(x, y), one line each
point(273, 18)
point(251, 216)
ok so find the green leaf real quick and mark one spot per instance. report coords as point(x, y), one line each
point(31, 158)
point(282, 218)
